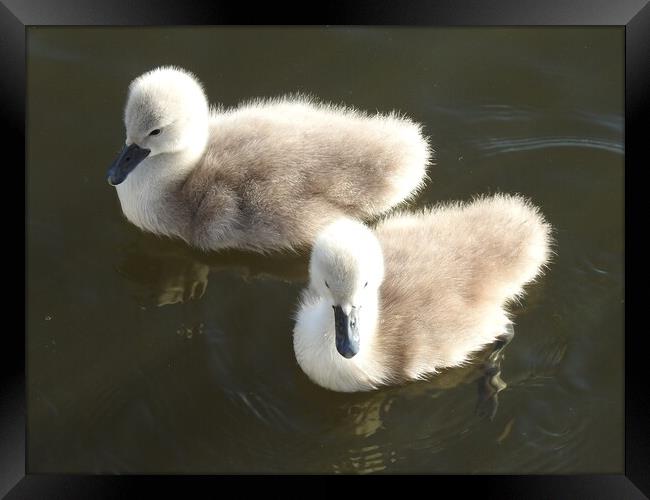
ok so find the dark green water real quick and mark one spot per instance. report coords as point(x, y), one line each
point(147, 357)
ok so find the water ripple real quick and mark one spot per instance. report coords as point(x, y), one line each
point(496, 146)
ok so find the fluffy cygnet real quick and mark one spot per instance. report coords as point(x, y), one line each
point(266, 175)
point(421, 292)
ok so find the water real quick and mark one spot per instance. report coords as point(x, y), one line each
point(145, 356)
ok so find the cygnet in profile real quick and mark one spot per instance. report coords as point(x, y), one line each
point(265, 175)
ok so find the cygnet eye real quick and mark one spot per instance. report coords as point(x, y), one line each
point(326, 284)
point(155, 132)
point(365, 285)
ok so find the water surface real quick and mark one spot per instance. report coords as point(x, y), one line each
point(145, 356)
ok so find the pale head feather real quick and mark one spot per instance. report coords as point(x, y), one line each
point(170, 100)
point(347, 264)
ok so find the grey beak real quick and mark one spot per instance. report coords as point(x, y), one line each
point(347, 333)
point(127, 160)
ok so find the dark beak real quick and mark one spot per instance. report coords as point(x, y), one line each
point(347, 332)
point(125, 163)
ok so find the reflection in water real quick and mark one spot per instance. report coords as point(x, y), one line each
point(369, 418)
point(169, 272)
point(366, 459)
point(490, 383)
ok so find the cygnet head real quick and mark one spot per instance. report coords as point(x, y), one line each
point(347, 269)
point(166, 112)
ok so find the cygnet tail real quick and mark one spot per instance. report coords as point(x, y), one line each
point(517, 245)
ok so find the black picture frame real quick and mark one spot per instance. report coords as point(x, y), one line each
point(633, 15)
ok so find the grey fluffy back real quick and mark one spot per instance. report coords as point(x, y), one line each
point(275, 172)
point(450, 272)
